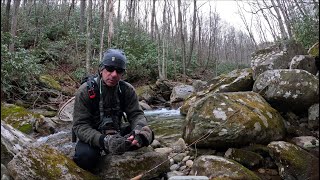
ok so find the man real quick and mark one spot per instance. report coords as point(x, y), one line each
point(98, 110)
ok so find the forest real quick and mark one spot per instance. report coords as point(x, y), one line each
point(166, 39)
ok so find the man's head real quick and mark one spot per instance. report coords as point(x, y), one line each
point(112, 66)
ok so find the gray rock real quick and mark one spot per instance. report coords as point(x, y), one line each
point(305, 62)
point(288, 90)
point(132, 163)
point(232, 119)
point(219, 167)
point(313, 116)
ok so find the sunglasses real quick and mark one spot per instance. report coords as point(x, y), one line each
point(111, 69)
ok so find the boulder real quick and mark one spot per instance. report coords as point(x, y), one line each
point(305, 62)
point(216, 167)
point(277, 56)
point(44, 162)
point(180, 93)
point(288, 90)
point(247, 158)
point(237, 80)
point(232, 119)
point(198, 85)
point(294, 162)
point(132, 163)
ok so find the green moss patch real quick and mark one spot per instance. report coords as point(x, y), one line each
point(50, 82)
point(18, 117)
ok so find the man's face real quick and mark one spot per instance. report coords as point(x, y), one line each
point(111, 75)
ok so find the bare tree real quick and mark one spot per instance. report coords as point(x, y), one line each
point(71, 8)
point(199, 57)
point(271, 27)
point(284, 34)
point(89, 37)
point(301, 8)
point(14, 23)
point(193, 34)
point(153, 17)
point(183, 46)
point(102, 22)
point(118, 19)
point(247, 26)
point(130, 4)
point(146, 15)
point(285, 16)
point(6, 26)
point(82, 15)
point(110, 22)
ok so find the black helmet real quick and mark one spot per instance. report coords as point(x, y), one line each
point(114, 57)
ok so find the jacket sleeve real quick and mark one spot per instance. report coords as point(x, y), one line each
point(133, 110)
point(83, 119)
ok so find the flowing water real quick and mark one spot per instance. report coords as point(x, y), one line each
point(166, 123)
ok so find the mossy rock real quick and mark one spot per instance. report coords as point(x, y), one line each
point(50, 82)
point(44, 162)
point(294, 162)
point(144, 92)
point(217, 167)
point(18, 117)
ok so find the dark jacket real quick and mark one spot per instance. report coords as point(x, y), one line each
point(86, 115)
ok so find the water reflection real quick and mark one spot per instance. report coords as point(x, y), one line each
point(166, 123)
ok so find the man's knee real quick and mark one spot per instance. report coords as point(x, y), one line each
point(86, 156)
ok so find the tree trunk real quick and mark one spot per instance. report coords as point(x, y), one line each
point(193, 34)
point(300, 8)
point(89, 38)
point(273, 33)
point(14, 23)
point(247, 27)
point(199, 57)
point(164, 41)
point(118, 21)
point(183, 47)
point(82, 15)
point(6, 26)
point(102, 20)
point(110, 22)
point(153, 17)
point(284, 34)
point(71, 8)
point(285, 17)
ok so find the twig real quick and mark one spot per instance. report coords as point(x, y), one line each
point(64, 105)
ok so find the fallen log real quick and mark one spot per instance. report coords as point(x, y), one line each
point(13, 139)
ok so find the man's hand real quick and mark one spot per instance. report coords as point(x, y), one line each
point(141, 137)
point(116, 144)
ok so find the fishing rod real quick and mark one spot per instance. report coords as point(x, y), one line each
point(199, 139)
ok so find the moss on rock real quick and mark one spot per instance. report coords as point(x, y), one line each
point(44, 162)
point(50, 82)
point(18, 117)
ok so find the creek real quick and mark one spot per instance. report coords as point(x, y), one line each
point(166, 123)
